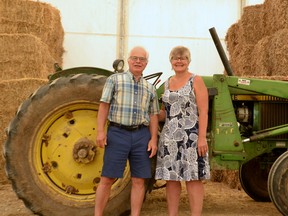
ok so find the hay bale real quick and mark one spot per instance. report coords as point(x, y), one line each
point(248, 30)
point(39, 19)
point(242, 37)
point(260, 58)
point(232, 38)
point(276, 15)
point(241, 59)
point(23, 56)
point(13, 93)
point(278, 53)
point(252, 25)
point(270, 55)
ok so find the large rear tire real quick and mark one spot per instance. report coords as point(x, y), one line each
point(278, 183)
point(51, 156)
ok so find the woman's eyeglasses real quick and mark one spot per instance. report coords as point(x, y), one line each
point(177, 58)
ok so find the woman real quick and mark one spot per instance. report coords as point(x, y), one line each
point(183, 150)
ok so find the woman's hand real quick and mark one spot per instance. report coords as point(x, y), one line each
point(202, 147)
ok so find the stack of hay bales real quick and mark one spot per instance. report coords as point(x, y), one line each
point(31, 41)
point(257, 43)
point(31, 37)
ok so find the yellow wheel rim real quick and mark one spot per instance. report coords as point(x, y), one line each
point(65, 154)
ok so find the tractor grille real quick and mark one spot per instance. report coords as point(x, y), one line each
point(273, 114)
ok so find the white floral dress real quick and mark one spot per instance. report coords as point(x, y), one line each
point(177, 157)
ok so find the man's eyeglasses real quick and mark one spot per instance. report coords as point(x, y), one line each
point(141, 59)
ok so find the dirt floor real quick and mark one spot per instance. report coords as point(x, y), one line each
point(220, 199)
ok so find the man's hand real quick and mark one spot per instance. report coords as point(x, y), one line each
point(101, 139)
point(152, 147)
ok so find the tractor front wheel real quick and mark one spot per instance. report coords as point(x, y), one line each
point(278, 183)
point(253, 179)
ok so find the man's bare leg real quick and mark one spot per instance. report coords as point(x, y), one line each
point(102, 195)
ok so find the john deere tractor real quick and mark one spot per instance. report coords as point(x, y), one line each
point(55, 166)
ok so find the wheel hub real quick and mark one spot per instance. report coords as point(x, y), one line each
point(84, 151)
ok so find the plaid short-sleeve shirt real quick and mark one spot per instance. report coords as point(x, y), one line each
point(131, 102)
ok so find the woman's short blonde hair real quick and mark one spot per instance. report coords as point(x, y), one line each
point(180, 51)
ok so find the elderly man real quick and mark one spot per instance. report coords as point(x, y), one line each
point(130, 104)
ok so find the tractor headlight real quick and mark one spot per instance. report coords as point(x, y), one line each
point(118, 65)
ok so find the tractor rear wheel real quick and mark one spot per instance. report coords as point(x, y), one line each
point(278, 183)
point(51, 156)
point(253, 179)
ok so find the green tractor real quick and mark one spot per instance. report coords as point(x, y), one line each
point(54, 165)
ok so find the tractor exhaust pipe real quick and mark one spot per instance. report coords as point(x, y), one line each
point(221, 51)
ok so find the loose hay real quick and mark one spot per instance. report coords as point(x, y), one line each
point(23, 56)
point(229, 177)
point(35, 18)
point(13, 93)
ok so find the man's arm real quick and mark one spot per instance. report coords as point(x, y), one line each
point(101, 122)
point(153, 143)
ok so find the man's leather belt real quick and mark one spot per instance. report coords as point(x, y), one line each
point(128, 128)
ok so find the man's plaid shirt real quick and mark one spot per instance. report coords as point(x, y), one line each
point(131, 102)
